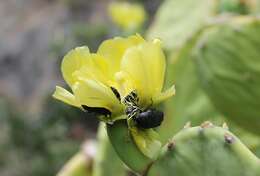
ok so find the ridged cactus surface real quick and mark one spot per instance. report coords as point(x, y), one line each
point(228, 61)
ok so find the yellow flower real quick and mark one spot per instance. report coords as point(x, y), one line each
point(126, 15)
point(101, 81)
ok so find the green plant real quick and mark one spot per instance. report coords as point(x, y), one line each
point(213, 59)
point(227, 58)
point(194, 151)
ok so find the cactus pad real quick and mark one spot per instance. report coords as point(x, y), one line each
point(206, 150)
point(228, 60)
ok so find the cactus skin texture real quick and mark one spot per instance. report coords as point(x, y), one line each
point(126, 148)
point(206, 150)
point(190, 96)
point(177, 21)
point(106, 160)
point(227, 58)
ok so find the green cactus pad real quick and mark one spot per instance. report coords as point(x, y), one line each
point(190, 102)
point(228, 61)
point(206, 150)
point(126, 148)
point(102, 165)
point(177, 20)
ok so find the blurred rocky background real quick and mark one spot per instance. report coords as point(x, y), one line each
point(37, 133)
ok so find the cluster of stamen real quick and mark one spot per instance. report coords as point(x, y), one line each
point(131, 103)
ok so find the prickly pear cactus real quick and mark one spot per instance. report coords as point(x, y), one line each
point(102, 165)
point(198, 108)
point(228, 61)
point(124, 145)
point(205, 150)
point(177, 21)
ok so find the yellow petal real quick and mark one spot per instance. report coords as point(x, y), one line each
point(147, 141)
point(73, 61)
point(65, 96)
point(125, 83)
point(95, 94)
point(164, 95)
point(97, 69)
point(113, 50)
point(145, 64)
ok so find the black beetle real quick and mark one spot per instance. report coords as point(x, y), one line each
point(149, 118)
